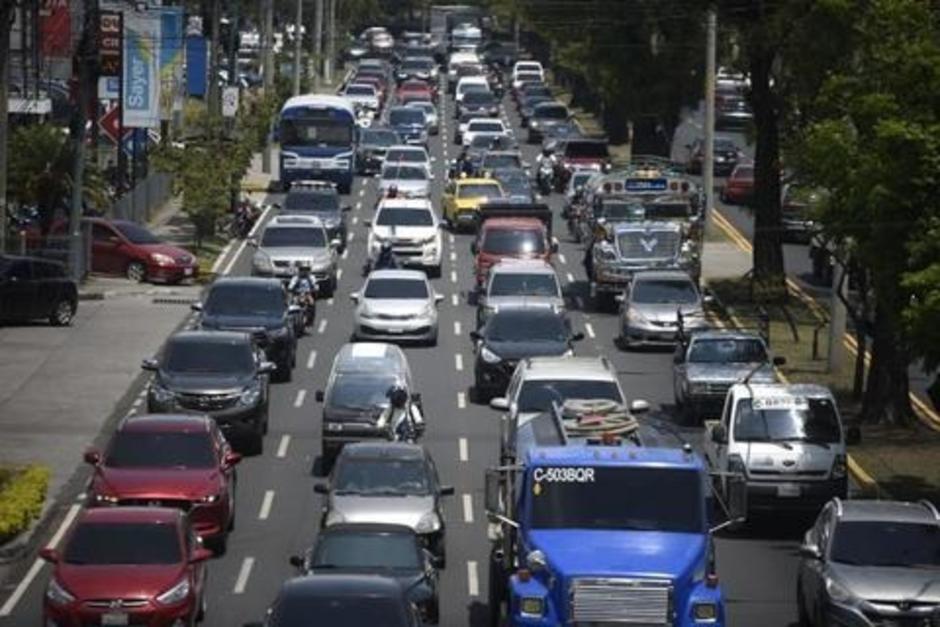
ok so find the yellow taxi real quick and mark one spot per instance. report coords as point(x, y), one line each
point(463, 197)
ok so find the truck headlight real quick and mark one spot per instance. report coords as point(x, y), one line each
point(705, 612)
point(532, 606)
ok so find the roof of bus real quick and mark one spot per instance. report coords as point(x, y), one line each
point(321, 100)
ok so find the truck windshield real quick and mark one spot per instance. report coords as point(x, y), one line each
point(786, 419)
point(608, 497)
point(538, 395)
point(303, 132)
point(513, 242)
point(727, 352)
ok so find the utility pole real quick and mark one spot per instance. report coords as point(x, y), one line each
point(85, 57)
point(214, 91)
point(330, 37)
point(317, 44)
point(708, 169)
point(298, 40)
point(837, 315)
point(6, 23)
point(267, 49)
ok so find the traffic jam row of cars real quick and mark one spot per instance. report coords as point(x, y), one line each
point(563, 550)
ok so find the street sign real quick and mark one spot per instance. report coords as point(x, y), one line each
point(229, 101)
point(109, 87)
point(110, 123)
point(110, 34)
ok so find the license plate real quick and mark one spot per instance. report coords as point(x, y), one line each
point(788, 490)
point(396, 331)
point(114, 618)
point(188, 271)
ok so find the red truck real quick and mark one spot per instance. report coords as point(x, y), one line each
point(512, 231)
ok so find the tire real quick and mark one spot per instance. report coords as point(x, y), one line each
point(203, 607)
point(284, 372)
point(434, 272)
point(63, 313)
point(432, 341)
point(136, 271)
point(345, 188)
point(497, 593)
point(219, 546)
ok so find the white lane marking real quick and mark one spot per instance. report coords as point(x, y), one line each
point(463, 449)
point(456, 327)
point(458, 361)
point(570, 277)
point(453, 276)
point(241, 247)
point(137, 402)
point(266, 502)
point(450, 239)
point(350, 238)
point(562, 258)
point(358, 205)
point(301, 395)
point(345, 254)
point(473, 579)
point(590, 330)
point(322, 327)
point(282, 447)
point(461, 400)
point(362, 192)
point(467, 509)
point(453, 255)
point(454, 299)
point(339, 274)
point(329, 301)
point(311, 360)
point(241, 582)
point(355, 220)
point(222, 256)
point(37, 565)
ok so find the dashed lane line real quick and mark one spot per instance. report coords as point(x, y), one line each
point(463, 449)
point(590, 330)
point(453, 276)
point(458, 362)
point(241, 247)
point(350, 238)
point(299, 400)
point(322, 327)
point(461, 400)
point(241, 582)
point(454, 299)
point(266, 503)
point(468, 509)
point(562, 258)
point(282, 446)
point(339, 274)
point(311, 360)
point(473, 579)
point(457, 327)
point(570, 277)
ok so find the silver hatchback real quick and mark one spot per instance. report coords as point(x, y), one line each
point(652, 304)
point(396, 305)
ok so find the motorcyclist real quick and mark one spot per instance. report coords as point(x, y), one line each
point(386, 258)
point(392, 192)
point(303, 286)
point(546, 171)
point(412, 424)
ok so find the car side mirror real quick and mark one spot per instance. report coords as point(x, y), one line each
point(150, 364)
point(810, 549)
point(50, 555)
point(92, 457)
point(719, 434)
point(620, 298)
point(446, 490)
point(320, 488)
point(500, 403)
point(346, 208)
point(780, 361)
point(639, 406)
point(476, 336)
point(319, 396)
point(267, 367)
point(577, 337)
point(335, 243)
point(296, 561)
point(438, 297)
point(196, 307)
point(200, 554)
point(474, 249)
point(252, 241)
point(232, 458)
point(853, 435)
point(354, 297)
point(708, 299)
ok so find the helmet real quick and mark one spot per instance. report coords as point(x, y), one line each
point(393, 191)
point(397, 396)
point(386, 247)
point(303, 266)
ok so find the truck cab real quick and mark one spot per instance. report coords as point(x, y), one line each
point(511, 231)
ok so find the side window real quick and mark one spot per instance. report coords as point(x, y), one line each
point(101, 233)
point(47, 271)
point(20, 271)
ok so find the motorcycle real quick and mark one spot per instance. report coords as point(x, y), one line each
point(246, 214)
point(308, 310)
point(382, 262)
point(545, 177)
point(404, 420)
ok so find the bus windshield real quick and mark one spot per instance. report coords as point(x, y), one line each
point(310, 132)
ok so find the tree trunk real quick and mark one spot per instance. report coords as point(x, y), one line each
point(769, 273)
point(887, 391)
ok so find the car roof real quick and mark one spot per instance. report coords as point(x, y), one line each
point(725, 334)
point(131, 515)
point(405, 203)
point(341, 528)
point(661, 275)
point(516, 222)
point(651, 457)
point(247, 282)
point(295, 221)
point(209, 337)
point(328, 586)
point(807, 390)
point(390, 450)
point(165, 423)
point(397, 274)
point(585, 368)
point(522, 266)
point(478, 180)
point(887, 511)
point(370, 356)
point(408, 147)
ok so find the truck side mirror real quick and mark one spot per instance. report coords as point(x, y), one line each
point(719, 434)
point(491, 496)
point(474, 249)
point(737, 497)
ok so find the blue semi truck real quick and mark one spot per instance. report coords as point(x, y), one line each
point(602, 531)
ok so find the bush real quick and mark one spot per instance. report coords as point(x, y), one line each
point(21, 500)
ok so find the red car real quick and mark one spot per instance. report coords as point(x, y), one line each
point(127, 566)
point(739, 188)
point(508, 231)
point(171, 460)
point(415, 90)
point(121, 247)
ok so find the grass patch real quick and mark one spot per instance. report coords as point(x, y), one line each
point(209, 251)
point(22, 495)
point(903, 459)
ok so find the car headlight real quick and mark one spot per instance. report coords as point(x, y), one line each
point(532, 606)
point(489, 356)
point(705, 612)
point(106, 499)
point(250, 395)
point(635, 316)
point(175, 594)
point(429, 523)
point(161, 394)
point(838, 592)
point(57, 594)
point(210, 499)
point(161, 260)
point(262, 262)
point(365, 312)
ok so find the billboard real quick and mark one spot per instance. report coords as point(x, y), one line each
point(141, 69)
point(171, 61)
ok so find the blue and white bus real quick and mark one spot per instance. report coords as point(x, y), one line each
point(318, 140)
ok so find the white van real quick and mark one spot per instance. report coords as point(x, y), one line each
point(527, 67)
point(470, 83)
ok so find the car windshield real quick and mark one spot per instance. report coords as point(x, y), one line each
point(382, 476)
point(579, 179)
point(484, 140)
point(364, 550)
point(404, 217)
point(123, 543)
point(310, 201)
point(533, 90)
point(402, 155)
point(479, 190)
point(664, 292)
point(495, 162)
point(406, 116)
point(184, 357)
point(479, 99)
point(360, 391)
point(721, 351)
point(469, 88)
point(404, 173)
point(360, 90)
point(538, 395)
point(135, 233)
point(786, 419)
point(379, 138)
point(156, 449)
point(551, 112)
point(521, 326)
point(427, 107)
point(245, 300)
point(485, 127)
point(396, 288)
point(530, 76)
point(513, 241)
point(586, 150)
point(292, 236)
point(884, 543)
point(518, 284)
point(296, 610)
point(567, 497)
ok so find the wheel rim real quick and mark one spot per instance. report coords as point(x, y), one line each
point(63, 312)
point(135, 271)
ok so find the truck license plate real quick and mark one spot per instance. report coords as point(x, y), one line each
point(788, 490)
point(114, 618)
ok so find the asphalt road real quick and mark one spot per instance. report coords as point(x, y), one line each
point(277, 511)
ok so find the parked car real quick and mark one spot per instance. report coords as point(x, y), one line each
point(33, 288)
point(129, 249)
point(181, 461)
point(127, 566)
point(739, 187)
point(221, 374)
point(396, 305)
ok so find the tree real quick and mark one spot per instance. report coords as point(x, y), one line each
point(873, 143)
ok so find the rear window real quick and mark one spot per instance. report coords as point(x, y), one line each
point(406, 116)
point(586, 150)
point(551, 112)
point(311, 201)
point(479, 190)
point(405, 173)
point(360, 90)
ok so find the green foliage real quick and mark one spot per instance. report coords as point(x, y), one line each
point(21, 500)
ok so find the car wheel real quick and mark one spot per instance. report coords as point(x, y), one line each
point(284, 371)
point(136, 271)
point(432, 341)
point(62, 313)
point(434, 272)
point(345, 188)
point(218, 546)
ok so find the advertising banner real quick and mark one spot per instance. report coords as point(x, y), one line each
point(197, 59)
point(171, 61)
point(110, 31)
point(55, 28)
point(141, 69)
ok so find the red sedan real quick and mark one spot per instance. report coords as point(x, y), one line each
point(411, 91)
point(739, 188)
point(127, 566)
point(174, 461)
point(121, 247)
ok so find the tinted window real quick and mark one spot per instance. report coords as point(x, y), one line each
point(360, 90)
point(484, 140)
point(494, 162)
point(526, 327)
point(885, 544)
point(479, 190)
point(405, 173)
point(584, 502)
point(360, 391)
point(485, 127)
point(349, 611)
point(136, 234)
point(517, 284)
point(286, 236)
point(667, 210)
point(20, 270)
point(396, 288)
point(379, 138)
point(366, 550)
point(208, 357)
point(586, 150)
point(663, 291)
point(406, 116)
point(404, 217)
point(513, 241)
point(378, 476)
point(307, 201)
point(622, 211)
point(242, 300)
point(538, 396)
point(161, 450)
point(810, 420)
point(727, 351)
point(417, 65)
point(123, 543)
point(479, 98)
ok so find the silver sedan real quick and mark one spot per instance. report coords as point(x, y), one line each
point(408, 179)
point(396, 305)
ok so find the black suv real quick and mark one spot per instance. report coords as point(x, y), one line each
point(222, 374)
point(319, 199)
point(257, 306)
point(32, 288)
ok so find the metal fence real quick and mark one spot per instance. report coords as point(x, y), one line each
point(148, 195)
point(54, 247)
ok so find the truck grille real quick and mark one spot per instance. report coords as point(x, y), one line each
point(644, 602)
point(648, 244)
